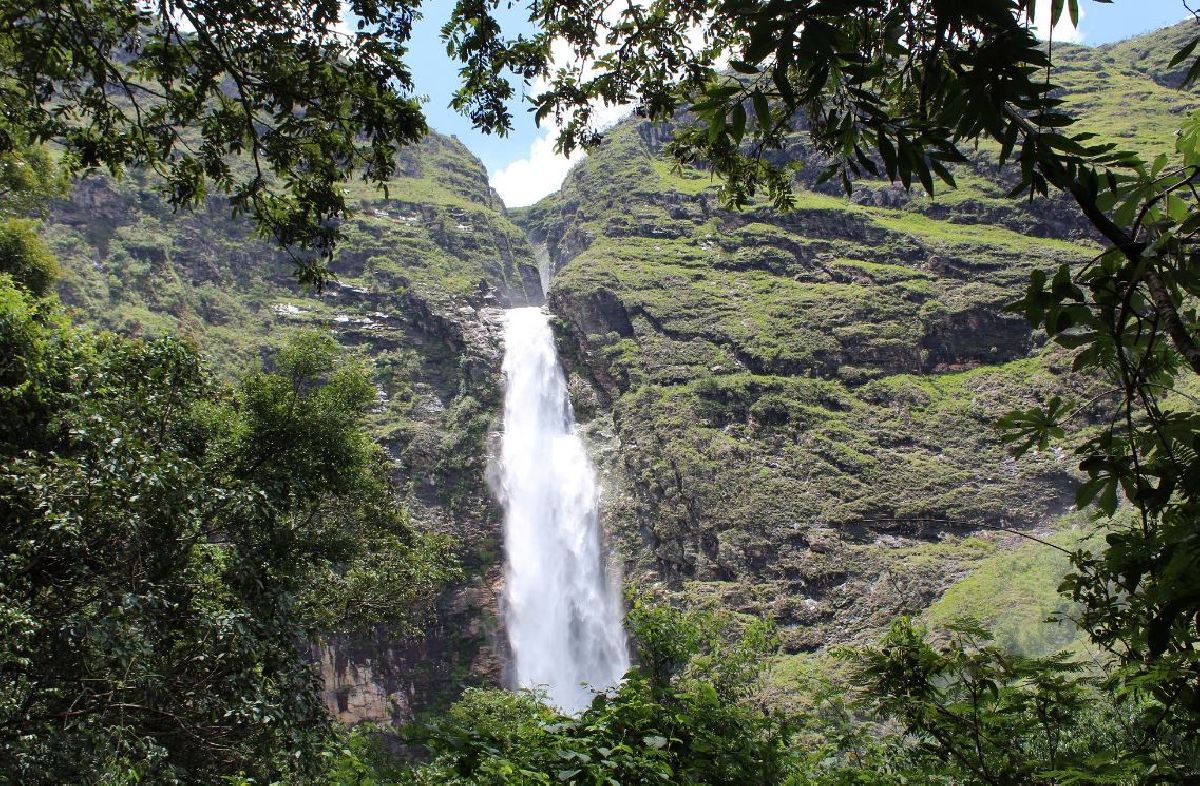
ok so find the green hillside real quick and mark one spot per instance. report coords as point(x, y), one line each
point(797, 409)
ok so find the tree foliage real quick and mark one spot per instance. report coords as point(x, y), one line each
point(29, 179)
point(168, 544)
point(25, 258)
point(684, 717)
point(977, 714)
point(274, 105)
point(912, 711)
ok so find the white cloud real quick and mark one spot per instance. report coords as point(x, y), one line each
point(526, 180)
point(540, 173)
point(1064, 31)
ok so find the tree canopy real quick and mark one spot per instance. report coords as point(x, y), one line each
point(170, 540)
point(273, 105)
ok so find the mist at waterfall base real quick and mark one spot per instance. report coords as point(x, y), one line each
point(562, 610)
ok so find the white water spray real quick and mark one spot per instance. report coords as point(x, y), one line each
point(563, 614)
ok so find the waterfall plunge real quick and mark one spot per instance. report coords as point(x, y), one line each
point(563, 614)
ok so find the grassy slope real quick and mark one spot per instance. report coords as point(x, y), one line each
point(786, 387)
point(132, 264)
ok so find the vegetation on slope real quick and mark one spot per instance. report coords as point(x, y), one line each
point(803, 402)
point(698, 711)
point(800, 399)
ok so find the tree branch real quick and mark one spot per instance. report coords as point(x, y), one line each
point(1164, 306)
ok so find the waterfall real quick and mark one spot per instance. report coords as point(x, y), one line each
point(562, 611)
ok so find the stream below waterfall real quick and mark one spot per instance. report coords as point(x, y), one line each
point(562, 607)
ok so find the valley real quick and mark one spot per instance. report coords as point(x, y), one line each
point(791, 414)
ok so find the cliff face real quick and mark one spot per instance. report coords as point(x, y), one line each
point(791, 401)
point(421, 283)
point(795, 411)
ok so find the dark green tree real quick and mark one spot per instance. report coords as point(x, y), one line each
point(29, 179)
point(168, 543)
point(24, 257)
point(972, 713)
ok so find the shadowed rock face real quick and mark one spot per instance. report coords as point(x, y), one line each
point(382, 677)
point(357, 688)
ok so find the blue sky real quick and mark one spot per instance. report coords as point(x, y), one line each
point(436, 76)
point(524, 167)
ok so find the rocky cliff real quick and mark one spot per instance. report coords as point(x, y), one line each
point(421, 283)
point(795, 411)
